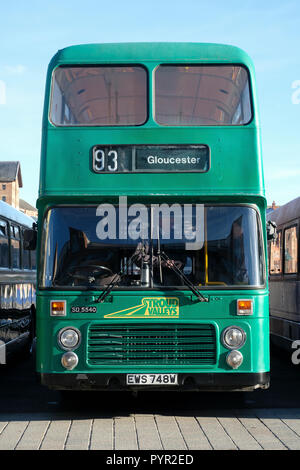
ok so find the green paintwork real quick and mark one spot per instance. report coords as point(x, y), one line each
point(235, 176)
point(220, 311)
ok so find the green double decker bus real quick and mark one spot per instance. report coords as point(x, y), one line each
point(151, 232)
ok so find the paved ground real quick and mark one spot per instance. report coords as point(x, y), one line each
point(32, 417)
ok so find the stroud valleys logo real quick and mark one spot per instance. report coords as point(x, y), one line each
point(151, 307)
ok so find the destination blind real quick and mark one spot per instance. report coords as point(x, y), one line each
point(151, 158)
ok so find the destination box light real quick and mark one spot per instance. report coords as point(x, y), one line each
point(151, 158)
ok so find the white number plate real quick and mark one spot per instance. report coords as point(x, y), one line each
point(152, 379)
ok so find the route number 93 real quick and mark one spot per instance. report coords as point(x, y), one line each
point(105, 162)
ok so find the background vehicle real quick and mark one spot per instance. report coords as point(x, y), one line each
point(152, 251)
point(17, 283)
point(284, 275)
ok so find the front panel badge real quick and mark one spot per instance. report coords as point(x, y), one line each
point(151, 307)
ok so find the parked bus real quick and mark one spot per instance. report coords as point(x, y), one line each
point(284, 275)
point(17, 283)
point(151, 239)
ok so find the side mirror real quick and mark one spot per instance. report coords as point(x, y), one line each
point(29, 239)
point(271, 230)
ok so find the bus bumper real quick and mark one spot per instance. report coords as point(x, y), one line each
point(186, 382)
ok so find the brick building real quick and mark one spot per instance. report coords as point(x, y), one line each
point(28, 209)
point(272, 208)
point(10, 182)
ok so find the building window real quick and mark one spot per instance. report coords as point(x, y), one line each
point(290, 250)
point(3, 186)
point(4, 198)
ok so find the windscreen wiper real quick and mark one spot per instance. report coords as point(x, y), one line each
point(110, 286)
point(117, 278)
point(171, 265)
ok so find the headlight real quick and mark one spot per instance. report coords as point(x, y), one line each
point(234, 359)
point(69, 338)
point(233, 337)
point(69, 360)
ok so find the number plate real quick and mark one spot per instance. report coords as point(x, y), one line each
point(152, 379)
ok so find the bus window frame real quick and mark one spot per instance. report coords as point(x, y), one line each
point(22, 228)
point(42, 263)
point(231, 64)
point(279, 231)
point(99, 125)
point(10, 224)
point(7, 237)
point(295, 273)
point(13, 236)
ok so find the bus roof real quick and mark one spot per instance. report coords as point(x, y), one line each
point(13, 214)
point(286, 213)
point(152, 51)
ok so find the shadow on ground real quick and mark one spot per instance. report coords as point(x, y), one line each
point(21, 393)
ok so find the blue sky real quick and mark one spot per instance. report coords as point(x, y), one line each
point(31, 32)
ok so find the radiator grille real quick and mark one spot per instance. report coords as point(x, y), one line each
point(153, 345)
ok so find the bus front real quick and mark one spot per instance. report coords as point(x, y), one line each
point(151, 213)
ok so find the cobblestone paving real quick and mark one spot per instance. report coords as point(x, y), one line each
point(253, 429)
point(33, 417)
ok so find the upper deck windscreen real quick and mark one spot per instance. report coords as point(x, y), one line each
point(99, 96)
point(202, 95)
